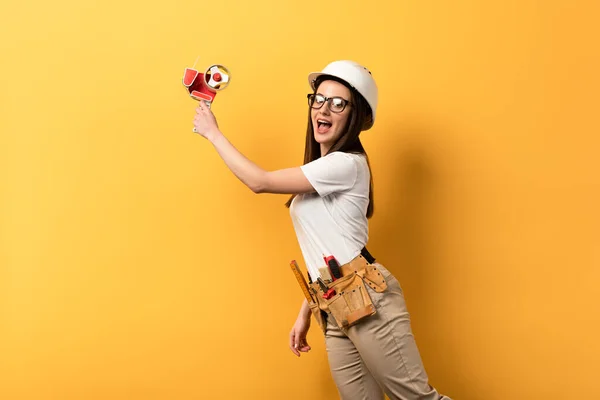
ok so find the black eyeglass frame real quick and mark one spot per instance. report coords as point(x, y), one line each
point(328, 101)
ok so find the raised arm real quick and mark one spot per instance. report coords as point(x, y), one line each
point(283, 181)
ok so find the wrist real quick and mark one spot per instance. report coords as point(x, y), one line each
point(214, 136)
point(304, 318)
point(305, 312)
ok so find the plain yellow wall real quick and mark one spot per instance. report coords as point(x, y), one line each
point(134, 265)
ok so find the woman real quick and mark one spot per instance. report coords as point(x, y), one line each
point(331, 201)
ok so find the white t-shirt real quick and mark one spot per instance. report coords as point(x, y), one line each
point(333, 220)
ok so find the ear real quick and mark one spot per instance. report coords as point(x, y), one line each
point(368, 121)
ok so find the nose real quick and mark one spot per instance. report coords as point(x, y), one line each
point(325, 108)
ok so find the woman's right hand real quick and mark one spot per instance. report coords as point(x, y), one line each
point(298, 335)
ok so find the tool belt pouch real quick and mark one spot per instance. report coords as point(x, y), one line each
point(320, 315)
point(352, 302)
point(374, 279)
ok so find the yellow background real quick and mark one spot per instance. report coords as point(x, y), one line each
point(134, 265)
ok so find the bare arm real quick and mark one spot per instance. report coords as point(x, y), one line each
point(304, 310)
point(283, 181)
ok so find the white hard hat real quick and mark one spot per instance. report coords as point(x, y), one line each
point(355, 75)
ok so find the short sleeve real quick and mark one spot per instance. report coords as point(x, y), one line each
point(335, 172)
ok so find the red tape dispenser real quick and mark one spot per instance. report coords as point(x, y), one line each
point(204, 86)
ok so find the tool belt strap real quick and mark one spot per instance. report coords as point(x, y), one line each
point(365, 253)
point(358, 263)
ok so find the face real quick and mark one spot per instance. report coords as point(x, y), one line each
point(328, 125)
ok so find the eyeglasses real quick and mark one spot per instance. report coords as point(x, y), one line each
point(336, 104)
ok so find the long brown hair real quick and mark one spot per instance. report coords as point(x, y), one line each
point(349, 141)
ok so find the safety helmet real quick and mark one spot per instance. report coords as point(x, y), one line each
point(357, 76)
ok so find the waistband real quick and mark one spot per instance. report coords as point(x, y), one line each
point(356, 264)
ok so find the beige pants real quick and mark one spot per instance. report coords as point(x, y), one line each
point(379, 354)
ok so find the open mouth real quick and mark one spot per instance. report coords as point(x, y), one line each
point(323, 126)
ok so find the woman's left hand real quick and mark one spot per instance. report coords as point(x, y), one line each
point(205, 122)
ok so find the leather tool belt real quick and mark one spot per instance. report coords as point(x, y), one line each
point(351, 302)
